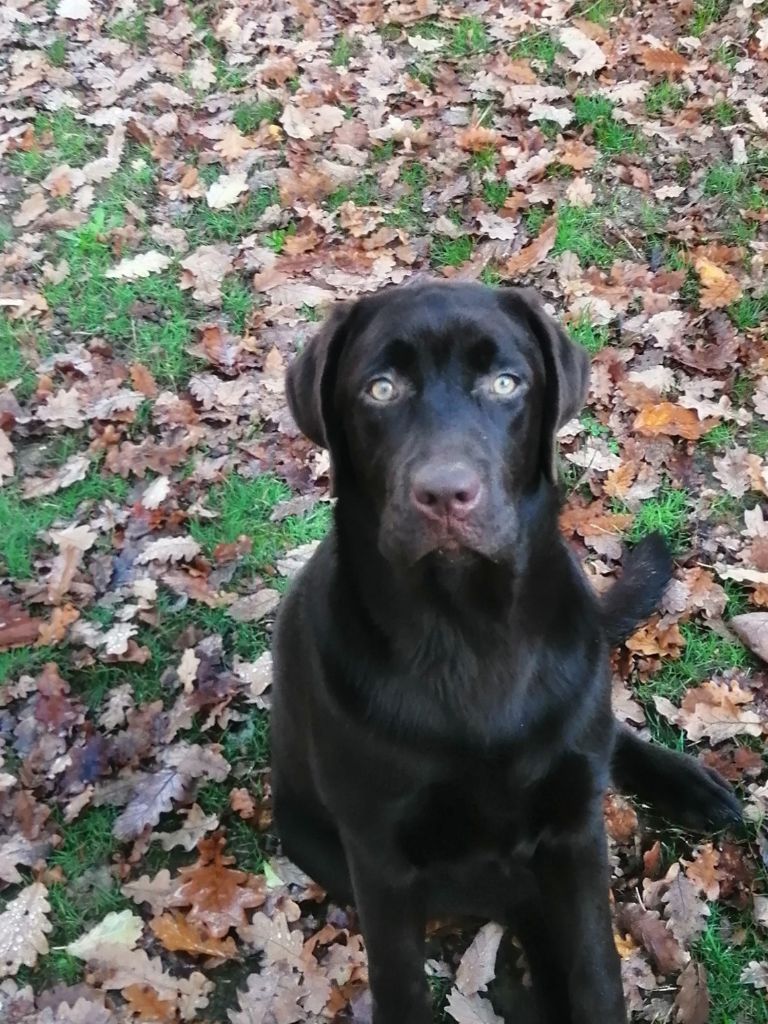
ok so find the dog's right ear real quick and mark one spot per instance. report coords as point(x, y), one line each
point(307, 382)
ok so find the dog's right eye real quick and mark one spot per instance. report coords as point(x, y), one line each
point(382, 390)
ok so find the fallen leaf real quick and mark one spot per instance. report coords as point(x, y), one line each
point(196, 825)
point(307, 122)
point(714, 711)
point(169, 549)
point(471, 1009)
point(254, 607)
point(752, 629)
point(215, 892)
point(75, 10)
point(17, 627)
point(686, 911)
point(661, 60)
point(136, 267)
point(119, 928)
point(23, 926)
point(672, 420)
point(533, 253)
point(177, 932)
point(225, 191)
point(692, 1002)
point(590, 57)
point(718, 287)
point(478, 964)
point(649, 931)
point(20, 850)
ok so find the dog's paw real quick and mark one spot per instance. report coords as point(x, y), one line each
point(699, 799)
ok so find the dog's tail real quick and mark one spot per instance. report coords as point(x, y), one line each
point(636, 594)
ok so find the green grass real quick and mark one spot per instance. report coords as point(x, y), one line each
point(57, 52)
point(733, 1002)
point(539, 47)
point(131, 29)
point(749, 312)
point(248, 116)
point(205, 226)
point(706, 13)
point(450, 252)
point(664, 96)
point(705, 653)
point(495, 193)
point(724, 179)
point(580, 229)
point(611, 136)
point(61, 137)
point(668, 513)
point(592, 337)
point(723, 113)
point(23, 520)
point(237, 302)
point(468, 38)
point(343, 51)
point(719, 438)
point(244, 506)
point(365, 192)
point(599, 11)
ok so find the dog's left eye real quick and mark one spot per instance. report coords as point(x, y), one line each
point(503, 385)
point(382, 390)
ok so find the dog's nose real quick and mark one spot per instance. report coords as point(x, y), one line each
point(449, 488)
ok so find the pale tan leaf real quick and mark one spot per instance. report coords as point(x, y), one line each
point(75, 10)
point(169, 549)
point(471, 1009)
point(135, 267)
point(521, 262)
point(718, 287)
point(478, 964)
point(752, 629)
point(590, 57)
point(226, 190)
point(32, 208)
point(196, 825)
point(158, 892)
point(6, 459)
point(23, 925)
point(17, 849)
point(73, 470)
point(254, 607)
point(307, 122)
point(119, 928)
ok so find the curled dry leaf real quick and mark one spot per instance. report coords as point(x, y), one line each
point(692, 1001)
point(718, 287)
point(17, 627)
point(179, 933)
point(169, 549)
point(6, 460)
point(478, 964)
point(225, 191)
point(521, 262)
point(671, 420)
point(714, 711)
point(590, 57)
point(752, 629)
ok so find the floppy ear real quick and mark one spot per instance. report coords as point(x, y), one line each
point(566, 365)
point(304, 384)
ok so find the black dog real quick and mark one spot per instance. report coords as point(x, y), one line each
point(442, 728)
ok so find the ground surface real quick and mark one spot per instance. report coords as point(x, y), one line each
point(184, 187)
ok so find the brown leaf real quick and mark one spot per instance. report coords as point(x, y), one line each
point(216, 893)
point(647, 928)
point(177, 932)
point(158, 892)
point(241, 802)
point(620, 818)
point(692, 1001)
point(475, 138)
point(702, 871)
point(713, 710)
point(671, 420)
point(17, 627)
point(522, 261)
point(147, 1005)
point(663, 61)
point(576, 154)
point(718, 287)
point(686, 911)
point(143, 381)
point(752, 629)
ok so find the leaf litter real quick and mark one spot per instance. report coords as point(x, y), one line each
point(185, 192)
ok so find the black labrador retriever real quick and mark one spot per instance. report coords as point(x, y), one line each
point(442, 726)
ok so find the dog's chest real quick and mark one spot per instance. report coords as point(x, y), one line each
point(491, 809)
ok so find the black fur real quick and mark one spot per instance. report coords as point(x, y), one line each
point(442, 728)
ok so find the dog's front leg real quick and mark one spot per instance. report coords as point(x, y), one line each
point(393, 923)
point(573, 877)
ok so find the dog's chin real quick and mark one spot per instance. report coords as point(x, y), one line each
point(455, 548)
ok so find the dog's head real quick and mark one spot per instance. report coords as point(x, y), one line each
point(440, 403)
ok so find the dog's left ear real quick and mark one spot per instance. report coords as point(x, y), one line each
point(307, 383)
point(566, 366)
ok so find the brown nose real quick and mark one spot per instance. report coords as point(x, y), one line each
point(441, 489)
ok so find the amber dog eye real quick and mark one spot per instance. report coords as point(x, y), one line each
point(382, 390)
point(503, 385)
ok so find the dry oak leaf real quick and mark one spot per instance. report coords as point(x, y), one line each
point(23, 925)
point(16, 849)
point(752, 630)
point(702, 871)
point(122, 968)
point(713, 710)
point(33, 207)
point(159, 892)
point(72, 543)
point(577, 154)
point(478, 964)
point(204, 270)
point(718, 287)
point(621, 820)
point(755, 974)
point(664, 61)
point(533, 253)
point(75, 10)
point(590, 57)
point(475, 138)
point(119, 928)
point(177, 932)
point(241, 802)
point(471, 1009)
point(153, 796)
point(17, 628)
point(62, 409)
point(273, 937)
point(146, 1005)
point(226, 190)
point(135, 267)
point(215, 892)
point(169, 549)
point(73, 470)
point(254, 607)
point(692, 1001)
point(652, 640)
point(274, 997)
point(671, 420)
point(686, 912)
point(306, 122)
point(233, 144)
point(195, 827)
